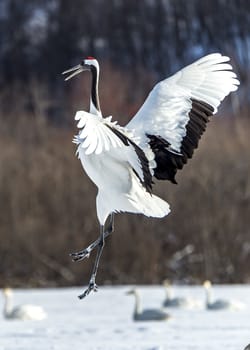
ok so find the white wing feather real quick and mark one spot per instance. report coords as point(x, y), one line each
point(95, 137)
point(165, 111)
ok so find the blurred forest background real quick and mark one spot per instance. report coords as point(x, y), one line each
point(47, 203)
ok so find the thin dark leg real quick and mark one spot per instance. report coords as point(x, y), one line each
point(82, 254)
point(85, 253)
point(92, 285)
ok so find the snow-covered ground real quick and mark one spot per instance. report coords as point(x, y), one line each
point(103, 321)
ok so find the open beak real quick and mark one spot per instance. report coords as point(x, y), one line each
point(74, 71)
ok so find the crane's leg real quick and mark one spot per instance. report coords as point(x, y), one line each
point(92, 285)
point(82, 254)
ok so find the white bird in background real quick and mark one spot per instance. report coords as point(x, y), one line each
point(147, 314)
point(158, 141)
point(220, 304)
point(178, 302)
point(21, 312)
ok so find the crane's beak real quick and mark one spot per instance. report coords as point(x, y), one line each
point(75, 70)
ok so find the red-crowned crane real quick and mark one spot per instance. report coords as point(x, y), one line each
point(158, 141)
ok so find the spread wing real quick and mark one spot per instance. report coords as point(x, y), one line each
point(175, 114)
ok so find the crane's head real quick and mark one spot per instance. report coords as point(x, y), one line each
point(88, 63)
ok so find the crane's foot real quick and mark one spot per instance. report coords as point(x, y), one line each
point(92, 286)
point(82, 254)
point(85, 253)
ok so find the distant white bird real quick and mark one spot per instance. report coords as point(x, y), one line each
point(179, 302)
point(220, 304)
point(147, 314)
point(158, 141)
point(21, 312)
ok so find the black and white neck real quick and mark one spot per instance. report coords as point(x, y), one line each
point(94, 97)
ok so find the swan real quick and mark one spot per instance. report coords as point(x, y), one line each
point(220, 304)
point(21, 312)
point(181, 302)
point(147, 314)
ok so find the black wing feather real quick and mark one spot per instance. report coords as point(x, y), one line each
point(168, 162)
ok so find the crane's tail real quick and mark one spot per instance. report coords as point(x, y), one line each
point(156, 207)
point(150, 205)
